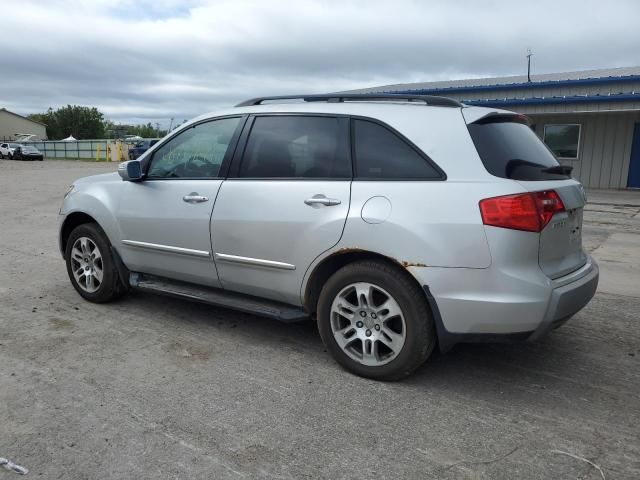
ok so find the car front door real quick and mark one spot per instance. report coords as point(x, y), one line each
point(165, 218)
point(285, 202)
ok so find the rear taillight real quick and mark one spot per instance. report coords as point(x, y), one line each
point(530, 212)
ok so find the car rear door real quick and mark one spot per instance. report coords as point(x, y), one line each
point(285, 202)
point(165, 218)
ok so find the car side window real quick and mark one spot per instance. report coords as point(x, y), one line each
point(382, 154)
point(297, 146)
point(196, 152)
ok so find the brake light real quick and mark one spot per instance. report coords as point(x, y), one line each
point(530, 212)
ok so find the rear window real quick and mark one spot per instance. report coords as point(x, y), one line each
point(510, 149)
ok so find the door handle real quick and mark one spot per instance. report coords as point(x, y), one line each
point(195, 197)
point(317, 200)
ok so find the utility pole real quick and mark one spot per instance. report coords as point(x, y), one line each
point(170, 125)
point(529, 54)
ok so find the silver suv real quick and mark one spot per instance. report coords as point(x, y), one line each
point(398, 222)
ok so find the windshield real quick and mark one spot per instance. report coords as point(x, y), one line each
point(510, 149)
point(29, 149)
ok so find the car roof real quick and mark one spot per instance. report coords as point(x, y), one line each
point(372, 108)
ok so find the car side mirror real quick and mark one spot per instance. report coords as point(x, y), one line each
point(130, 171)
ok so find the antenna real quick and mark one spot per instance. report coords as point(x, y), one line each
point(529, 54)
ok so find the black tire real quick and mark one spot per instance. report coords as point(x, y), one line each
point(111, 287)
point(420, 336)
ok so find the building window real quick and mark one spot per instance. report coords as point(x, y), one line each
point(563, 140)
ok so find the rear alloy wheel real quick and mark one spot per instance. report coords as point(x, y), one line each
point(368, 324)
point(375, 321)
point(90, 265)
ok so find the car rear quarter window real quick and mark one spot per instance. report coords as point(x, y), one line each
point(382, 154)
point(297, 146)
point(510, 149)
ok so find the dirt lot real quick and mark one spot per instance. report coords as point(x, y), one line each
point(151, 387)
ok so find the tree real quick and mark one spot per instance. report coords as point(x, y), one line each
point(41, 118)
point(89, 123)
point(48, 119)
point(144, 131)
point(81, 122)
point(119, 131)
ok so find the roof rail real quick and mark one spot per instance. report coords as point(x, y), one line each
point(362, 97)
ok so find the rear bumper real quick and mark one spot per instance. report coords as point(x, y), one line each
point(569, 297)
point(494, 305)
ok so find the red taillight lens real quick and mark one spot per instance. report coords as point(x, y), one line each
point(549, 203)
point(530, 212)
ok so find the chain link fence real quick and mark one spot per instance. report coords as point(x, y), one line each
point(96, 150)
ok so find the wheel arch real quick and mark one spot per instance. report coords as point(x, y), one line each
point(72, 221)
point(335, 261)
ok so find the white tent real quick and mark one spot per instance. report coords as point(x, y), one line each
point(69, 139)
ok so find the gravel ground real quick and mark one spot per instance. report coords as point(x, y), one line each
point(152, 387)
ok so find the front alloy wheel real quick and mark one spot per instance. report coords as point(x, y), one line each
point(86, 264)
point(91, 266)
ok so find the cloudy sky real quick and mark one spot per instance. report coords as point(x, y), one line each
point(150, 60)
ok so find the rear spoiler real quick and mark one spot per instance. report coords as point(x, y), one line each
point(472, 115)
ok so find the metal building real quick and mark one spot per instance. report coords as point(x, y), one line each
point(12, 124)
point(590, 119)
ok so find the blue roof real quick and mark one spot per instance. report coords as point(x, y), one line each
point(518, 90)
point(503, 102)
point(520, 85)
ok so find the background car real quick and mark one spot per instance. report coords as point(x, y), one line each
point(141, 147)
point(27, 152)
point(6, 150)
